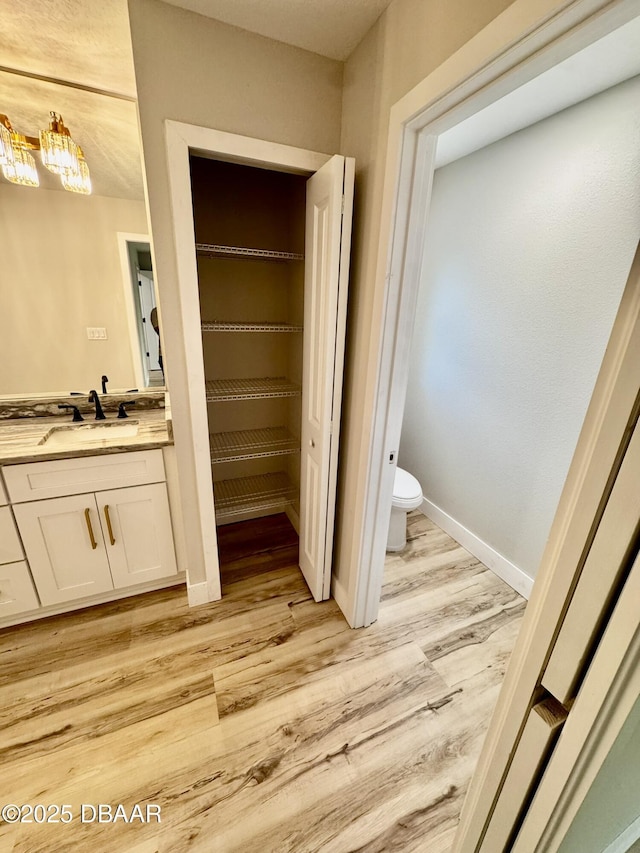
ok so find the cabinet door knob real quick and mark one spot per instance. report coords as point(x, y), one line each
point(312, 443)
point(112, 538)
point(92, 538)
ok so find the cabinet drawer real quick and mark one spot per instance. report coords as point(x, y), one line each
point(10, 547)
point(3, 495)
point(38, 480)
point(17, 593)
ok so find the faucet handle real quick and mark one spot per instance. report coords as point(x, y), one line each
point(76, 411)
point(122, 413)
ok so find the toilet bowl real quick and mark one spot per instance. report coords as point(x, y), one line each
point(407, 495)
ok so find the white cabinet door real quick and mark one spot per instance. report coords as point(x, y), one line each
point(10, 547)
point(17, 594)
point(64, 546)
point(136, 525)
point(327, 248)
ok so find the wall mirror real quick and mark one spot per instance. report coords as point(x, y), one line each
point(76, 285)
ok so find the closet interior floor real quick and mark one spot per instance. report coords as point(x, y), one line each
point(261, 722)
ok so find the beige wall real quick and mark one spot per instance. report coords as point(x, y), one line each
point(411, 39)
point(199, 71)
point(193, 69)
point(61, 273)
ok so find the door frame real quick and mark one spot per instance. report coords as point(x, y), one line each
point(124, 238)
point(521, 43)
point(181, 330)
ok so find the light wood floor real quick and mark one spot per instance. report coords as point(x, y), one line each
point(260, 723)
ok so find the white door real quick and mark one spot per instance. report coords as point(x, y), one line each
point(327, 250)
point(151, 341)
point(64, 546)
point(581, 630)
point(136, 526)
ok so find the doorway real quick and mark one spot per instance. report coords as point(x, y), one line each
point(140, 303)
point(327, 229)
point(528, 247)
point(434, 135)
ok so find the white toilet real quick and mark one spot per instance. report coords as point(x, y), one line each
point(407, 495)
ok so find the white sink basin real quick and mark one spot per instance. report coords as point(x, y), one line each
point(79, 435)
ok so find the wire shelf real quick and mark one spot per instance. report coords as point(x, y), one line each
point(248, 494)
point(223, 326)
point(223, 390)
point(252, 444)
point(215, 251)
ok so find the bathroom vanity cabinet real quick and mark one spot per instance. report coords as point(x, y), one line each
point(17, 593)
point(89, 527)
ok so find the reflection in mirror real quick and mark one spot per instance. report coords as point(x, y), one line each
point(140, 300)
point(76, 286)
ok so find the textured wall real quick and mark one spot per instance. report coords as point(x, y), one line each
point(529, 246)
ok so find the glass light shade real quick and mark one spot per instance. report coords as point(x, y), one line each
point(58, 150)
point(23, 169)
point(6, 148)
point(79, 182)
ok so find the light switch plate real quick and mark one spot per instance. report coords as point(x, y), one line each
point(96, 333)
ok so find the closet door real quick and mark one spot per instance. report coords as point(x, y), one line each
point(568, 686)
point(327, 250)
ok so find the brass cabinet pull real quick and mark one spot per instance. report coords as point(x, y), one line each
point(112, 538)
point(87, 518)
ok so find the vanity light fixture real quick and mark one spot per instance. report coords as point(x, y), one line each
point(6, 148)
point(22, 169)
point(59, 153)
point(79, 182)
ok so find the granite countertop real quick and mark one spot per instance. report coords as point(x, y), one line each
point(20, 437)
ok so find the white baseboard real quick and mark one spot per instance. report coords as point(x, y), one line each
point(294, 518)
point(623, 842)
point(198, 593)
point(515, 577)
point(339, 593)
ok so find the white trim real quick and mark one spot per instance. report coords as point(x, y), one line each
point(181, 329)
point(233, 148)
point(341, 596)
point(124, 238)
point(198, 593)
point(492, 559)
point(294, 517)
point(623, 842)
